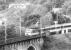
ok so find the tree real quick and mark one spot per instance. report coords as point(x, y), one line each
point(31, 20)
point(46, 20)
point(63, 19)
point(31, 14)
point(67, 7)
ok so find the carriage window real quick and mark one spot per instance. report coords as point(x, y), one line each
point(34, 31)
point(69, 30)
point(52, 33)
point(60, 32)
point(64, 31)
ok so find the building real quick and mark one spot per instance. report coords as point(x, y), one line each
point(18, 5)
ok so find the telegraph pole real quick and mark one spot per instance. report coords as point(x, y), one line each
point(20, 25)
point(5, 20)
point(40, 27)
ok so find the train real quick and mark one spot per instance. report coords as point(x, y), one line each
point(53, 29)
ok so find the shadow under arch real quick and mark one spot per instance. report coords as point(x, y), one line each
point(31, 48)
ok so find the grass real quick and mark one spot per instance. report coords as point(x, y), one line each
point(56, 42)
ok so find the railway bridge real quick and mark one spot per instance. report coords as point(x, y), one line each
point(23, 43)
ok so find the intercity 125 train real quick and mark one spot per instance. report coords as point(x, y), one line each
point(53, 29)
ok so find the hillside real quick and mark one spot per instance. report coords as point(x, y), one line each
point(35, 13)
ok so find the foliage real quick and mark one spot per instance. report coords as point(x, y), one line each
point(47, 45)
point(46, 20)
point(32, 19)
point(63, 19)
point(67, 7)
point(37, 10)
point(33, 12)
